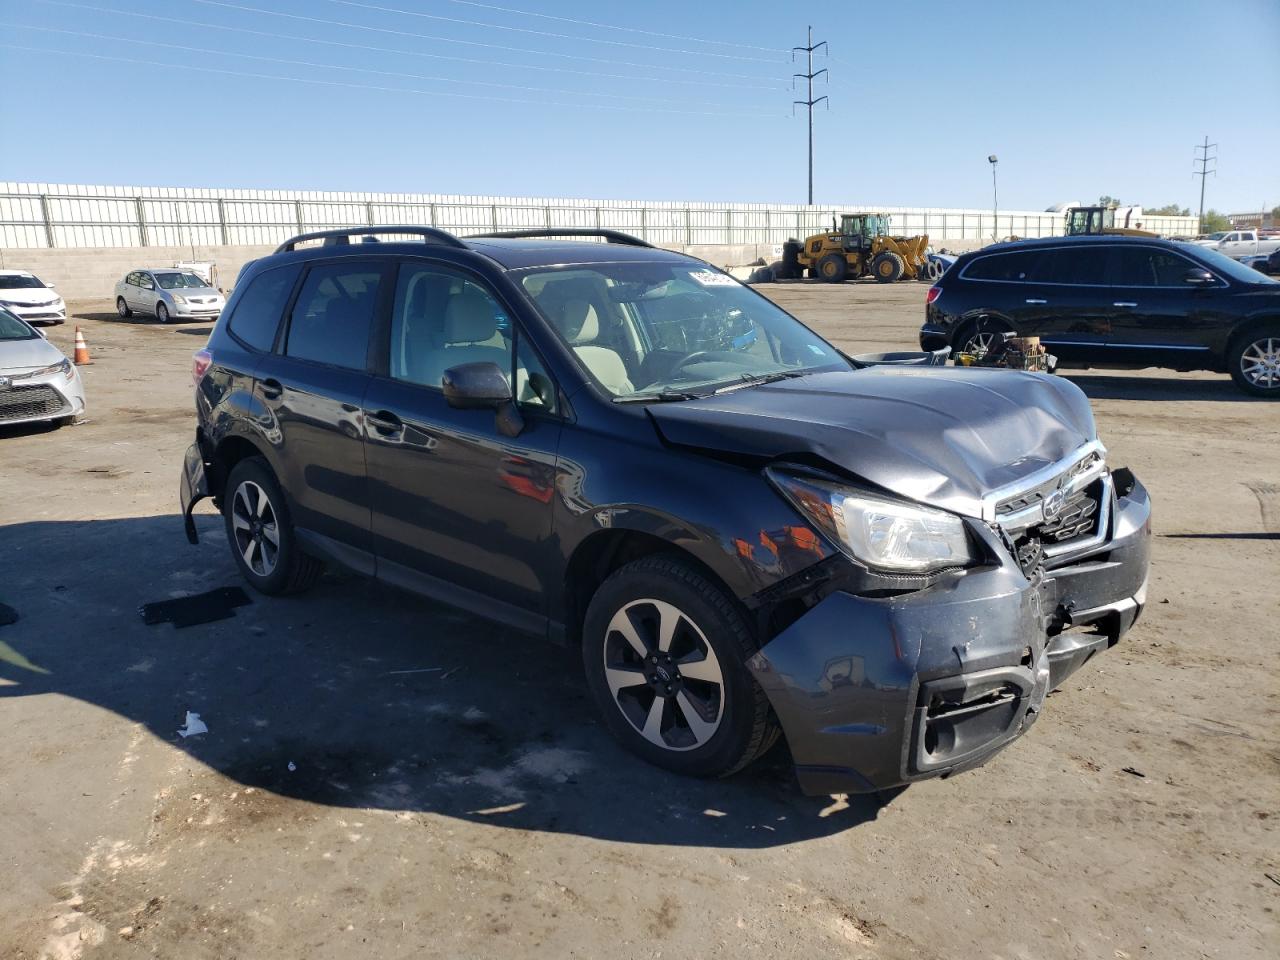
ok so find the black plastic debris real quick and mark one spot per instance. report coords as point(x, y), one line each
point(8, 615)
point(217, 604)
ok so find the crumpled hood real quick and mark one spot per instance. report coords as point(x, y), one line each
point(18, 356)
point(942, 436)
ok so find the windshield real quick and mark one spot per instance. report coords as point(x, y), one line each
point(11, 328)
point(1216, 236)
point(174, 281)
point(647, 329)
point(1234, 269)
point(19, 281)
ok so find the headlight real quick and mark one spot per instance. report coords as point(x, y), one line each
point(63, 367)
point(884, 534)
point(178, 298)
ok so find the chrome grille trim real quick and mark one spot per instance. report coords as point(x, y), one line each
point(1044, 477)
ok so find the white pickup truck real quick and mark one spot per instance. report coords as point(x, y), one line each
point(1241, 244)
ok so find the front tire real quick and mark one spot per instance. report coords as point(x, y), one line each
point(665, 653)
point(122, 309)
point(888, 267)
point(261, 534)
point(1254, 361)
point(162, 313)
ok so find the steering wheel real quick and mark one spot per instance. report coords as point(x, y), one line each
point(685, 361)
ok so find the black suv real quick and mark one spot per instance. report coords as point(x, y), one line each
point(1114, 301)
point(747, 533)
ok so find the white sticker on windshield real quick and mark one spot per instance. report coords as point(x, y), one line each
point(709, 278)
point(815, 349)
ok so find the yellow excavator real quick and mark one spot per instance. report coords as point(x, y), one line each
point(860, 246)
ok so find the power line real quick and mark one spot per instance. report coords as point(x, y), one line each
point(471, 43)
point(366, 86)
point(333, 66)
point(529, 30)
point(276, 35)
point(1204, 160)
point(614, 26)
point(810, 103)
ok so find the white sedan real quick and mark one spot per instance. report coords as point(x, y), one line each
point(34, 301)
point(36, 381)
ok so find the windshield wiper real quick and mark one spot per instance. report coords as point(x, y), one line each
point(662, 396)
point(752, 379)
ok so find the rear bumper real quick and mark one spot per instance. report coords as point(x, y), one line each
point(933, 337)
point(878, 692)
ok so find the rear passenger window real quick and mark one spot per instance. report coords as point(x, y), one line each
point(1078, 266)
point(1003, 266)
point(257, 314)
point(333, 314)
point(1149, 267)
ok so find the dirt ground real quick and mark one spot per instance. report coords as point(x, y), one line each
point(346, 803)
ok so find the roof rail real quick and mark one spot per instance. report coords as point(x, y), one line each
point(342, 236)
point(609, 236)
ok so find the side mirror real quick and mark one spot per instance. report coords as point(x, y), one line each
point(470, 386)
point(1197, 277)
point(50, 285)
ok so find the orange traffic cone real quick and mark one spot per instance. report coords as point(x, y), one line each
point(82, 350)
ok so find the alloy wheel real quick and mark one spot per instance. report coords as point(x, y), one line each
point(980, 344)
point(257, 533)
point(1260, 363)
point(663, 675)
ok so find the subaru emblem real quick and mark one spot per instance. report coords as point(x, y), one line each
point(1053, 504)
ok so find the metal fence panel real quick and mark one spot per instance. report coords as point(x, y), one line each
point(36, 215)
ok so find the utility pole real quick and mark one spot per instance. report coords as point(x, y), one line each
point(810, 103)
point(995, 201)
point(1204, 160)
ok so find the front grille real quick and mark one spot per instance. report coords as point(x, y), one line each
point(1079, 514)
point(41, 316)
point(29, 403)
point(1076, 501)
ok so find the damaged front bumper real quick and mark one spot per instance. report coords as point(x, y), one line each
point(875, 692)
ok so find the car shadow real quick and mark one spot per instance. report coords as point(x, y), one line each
point(1167, 388)
point(356, 695)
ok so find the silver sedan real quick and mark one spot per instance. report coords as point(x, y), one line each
point(168, 295)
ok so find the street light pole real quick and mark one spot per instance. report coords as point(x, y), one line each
point(995, 201)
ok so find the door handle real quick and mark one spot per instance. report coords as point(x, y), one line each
point(1035, 300)
point(385, 422)
point(1124, 303)
point(271, 388)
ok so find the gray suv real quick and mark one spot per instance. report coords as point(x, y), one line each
point(748, 535)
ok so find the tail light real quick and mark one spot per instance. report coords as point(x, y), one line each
point(200, 361)
point(934, 293)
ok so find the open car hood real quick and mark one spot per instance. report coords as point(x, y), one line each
point(942, 436)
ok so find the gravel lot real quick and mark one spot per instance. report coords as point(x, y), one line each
point(343, 804)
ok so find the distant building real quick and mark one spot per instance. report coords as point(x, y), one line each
point(1258, 220)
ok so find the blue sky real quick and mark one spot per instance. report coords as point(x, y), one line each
point(1077, 98)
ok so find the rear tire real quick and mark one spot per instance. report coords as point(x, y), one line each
point(976, 337)
point(122, 309)
point(833, 268)
point(260, 532)
point(888, 267)
point(665, 653)
point(1254, 361)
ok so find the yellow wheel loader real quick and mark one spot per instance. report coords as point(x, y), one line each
point(1092, 221)
point(859, 247)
